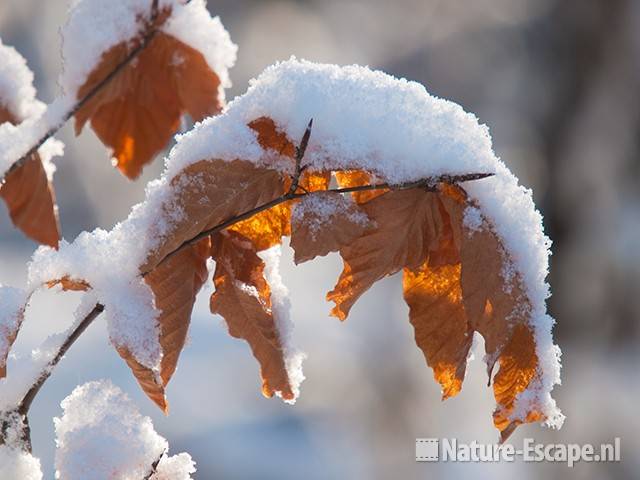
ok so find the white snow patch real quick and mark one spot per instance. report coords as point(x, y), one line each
point(472, 219)
point(18, 95)
point(94, 26)
point(177, 467)
point(102, 435)
point(281, 307)
point(17, 464)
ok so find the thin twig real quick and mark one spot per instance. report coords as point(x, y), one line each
point(146, 39)
point(154, 466)
point(26, 402)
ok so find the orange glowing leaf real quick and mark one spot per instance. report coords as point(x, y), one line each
point(139, 110)
point(408, 222)
point(358, 178)
point(434, 297)
point(30, 197)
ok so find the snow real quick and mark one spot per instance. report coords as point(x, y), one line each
point(321, 208)
point(12, 302)
point(281, 308)
point(109, 262)
point(177, 467)
point(94, 26)
point(363, 119)
point(102, 435)
point(18, 95)
point(16, 464)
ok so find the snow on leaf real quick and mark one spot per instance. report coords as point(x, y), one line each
point(208, 193)
point(28, 191)
point(324, 223)
point(175, 284)
point(243, 299)
point(139, 110)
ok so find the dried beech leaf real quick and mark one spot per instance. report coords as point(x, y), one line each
point(408, 222)
point(434, 297)
point(270, 137)
point(30, 198)
point(69, 284)
point(243, 299)
point(175, 284)
point(315, 235)
point(210, 192)
point(468, 284)
point(139, 110)
point(358, 178)
point(149, 381)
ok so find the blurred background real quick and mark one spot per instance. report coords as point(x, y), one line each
point(556, 81)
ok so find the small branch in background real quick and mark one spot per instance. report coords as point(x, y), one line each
point(26, 402)
point(300, 151)
point(146, 39)
point(154, 466)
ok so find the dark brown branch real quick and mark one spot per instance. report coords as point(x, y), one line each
point(146, 39)
point(154, 466)
point(71, 339)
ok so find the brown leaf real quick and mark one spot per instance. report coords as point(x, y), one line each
point(270, 137)
point(441, 329)
point(243, 299)
point(69, 284)
point(315, 234)
point(452, 295)
point(175, 284)
point(30, 197)
point(408, 225)
point(210, 192)
point(139, 110)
